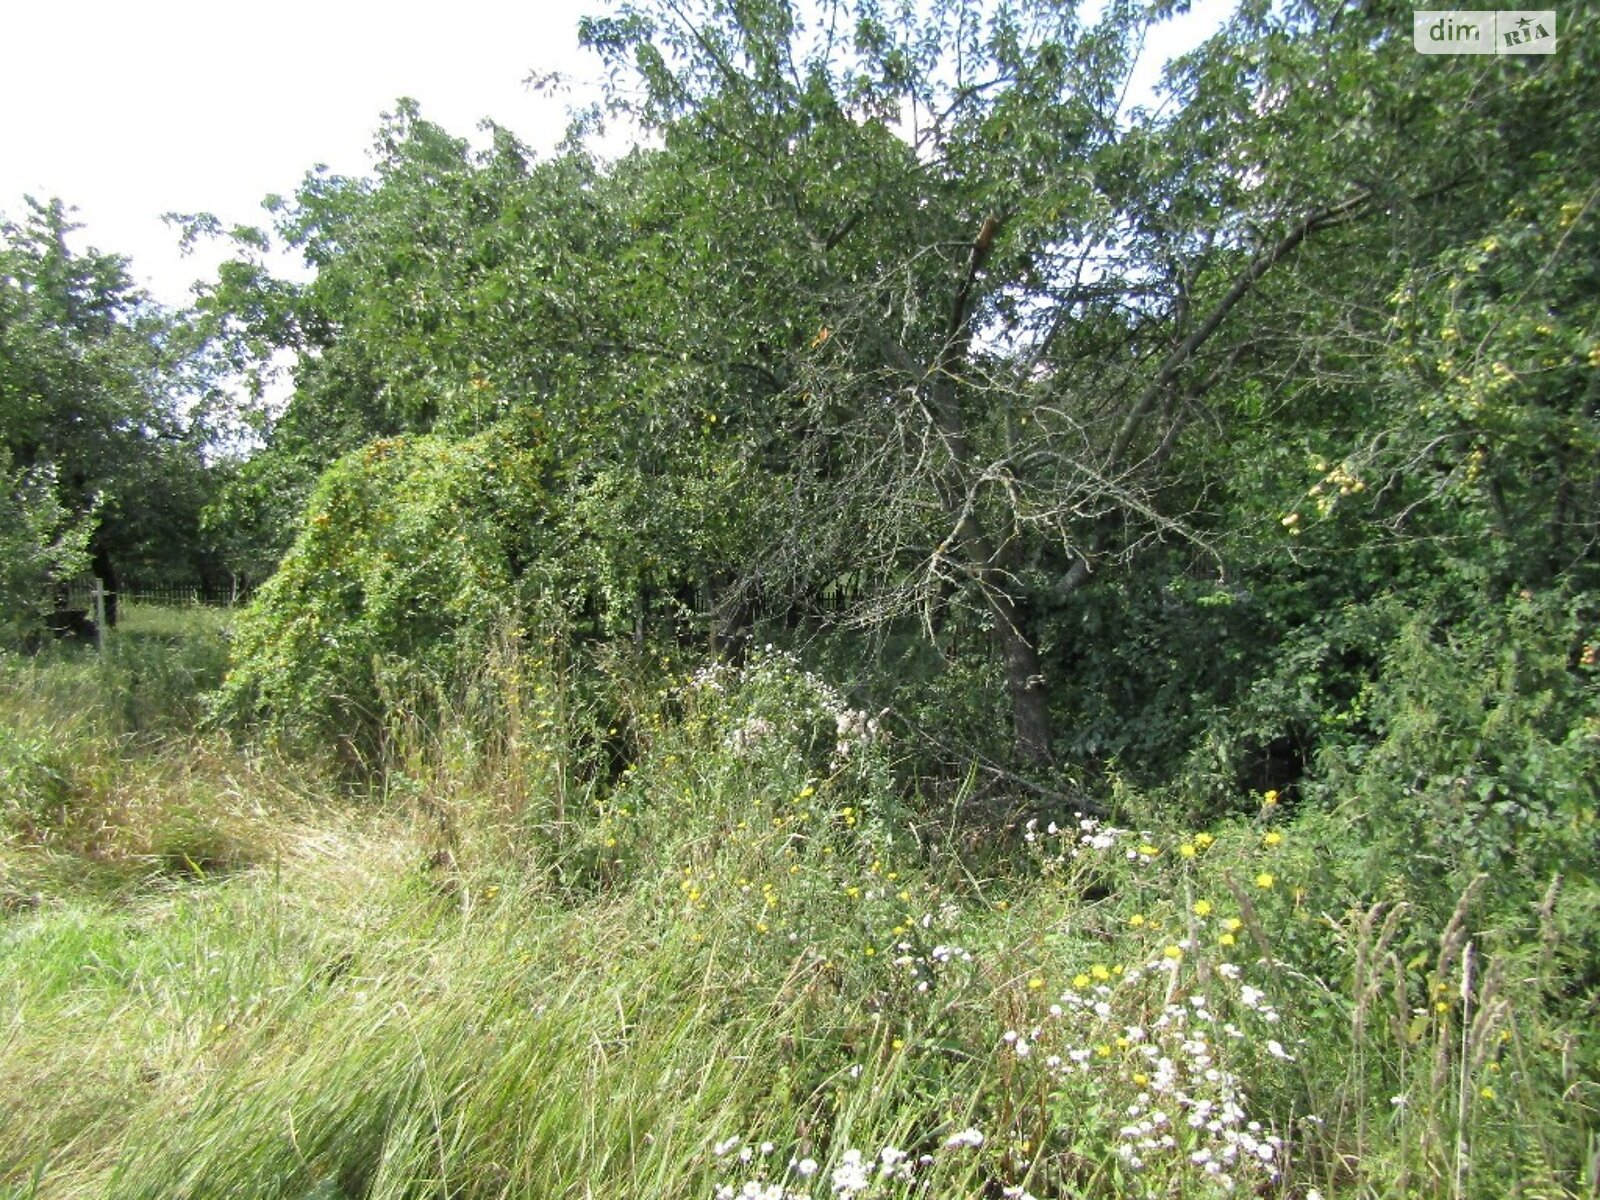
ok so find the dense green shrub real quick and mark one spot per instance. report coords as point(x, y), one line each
point(409, 557)
point(1484, 750)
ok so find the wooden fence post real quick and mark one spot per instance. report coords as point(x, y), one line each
point(97, 598)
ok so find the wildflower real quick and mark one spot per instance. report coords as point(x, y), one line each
point(1173, 952)
point(1276, 1049)
point(1136, 920)
point(1487, 1092)
point(1273, 839)
point(970, 1138)
point(1100, 972)
point(1149, 851)
point(1270, 797)
point(1188, 850)
point(805, 1168)
point(1035, 984)
point(722, 1149)
point(1080, 980)
point(1202, 840)
point(1265, 880)
point(1202, 908)
point(850, 1176)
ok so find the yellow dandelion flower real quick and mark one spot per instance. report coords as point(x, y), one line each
point(1100, 972)
point(1227, 939)
point(1270, 797)
point(1173, 952)
point(1080, 981)
point(1035, 984)
point(1188, 850)
point(1202, 908)
point(1273, 839)
point(1136, 920)
point(1265, 880)
point(1202, 840)
point(1149, 851)
point(1486, 1092)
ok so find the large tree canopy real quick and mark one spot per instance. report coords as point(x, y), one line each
point(912, 319)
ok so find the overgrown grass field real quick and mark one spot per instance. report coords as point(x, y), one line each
point(742, 958)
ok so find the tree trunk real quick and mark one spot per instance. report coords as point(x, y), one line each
point(1030, 709)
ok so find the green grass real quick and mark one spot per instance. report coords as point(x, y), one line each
point(226, 974)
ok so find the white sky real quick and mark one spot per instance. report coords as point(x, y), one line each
point(128, 109)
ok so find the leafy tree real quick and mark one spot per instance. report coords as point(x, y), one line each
point(93, 383)
point(1022, 329)
point(41, 546)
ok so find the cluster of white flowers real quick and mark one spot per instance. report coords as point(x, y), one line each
point(750, 734)
point(856, 1173)
point(1089, 835)
point(854, 729)
point(924, 969)
point(713, 677)
point(1188, 1105)
point(856, 1176)
point(806, 697)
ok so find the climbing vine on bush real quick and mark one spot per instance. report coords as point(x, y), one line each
point(411, 551)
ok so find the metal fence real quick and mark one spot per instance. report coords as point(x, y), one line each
point(80, 595)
